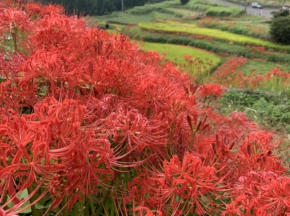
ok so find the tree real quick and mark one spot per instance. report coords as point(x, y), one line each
point(95, 7)
point(246, 4)
point(281, 13)
point(280, 29)
point(184, 2)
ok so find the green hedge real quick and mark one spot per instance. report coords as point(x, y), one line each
point(152, 7)
point(224, 12)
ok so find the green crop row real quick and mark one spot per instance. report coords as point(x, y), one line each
point(239, 28)
point(213, 46)
point(190, 29)
point(247, 32)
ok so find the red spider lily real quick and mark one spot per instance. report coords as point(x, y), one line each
point(181, 182)
point(33, 9)
point(214, 90)
point(252, 194)
point(10, 63)
point(36, 10)
point(11, 21)
point(13, 18)
point(51, 9)
point(73, 157)
point(228, 70)
point(130, 128)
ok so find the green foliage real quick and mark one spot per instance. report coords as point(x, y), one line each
point(281, 13)
point(199, 5)
point(268, 110)
point(147, 9)
point(184, 2)
point(224, 12)
point(280, 29)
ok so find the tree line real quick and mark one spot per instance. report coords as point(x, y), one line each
point(96, 7)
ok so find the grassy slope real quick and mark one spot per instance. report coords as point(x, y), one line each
point(176, 53)
point(262, 67)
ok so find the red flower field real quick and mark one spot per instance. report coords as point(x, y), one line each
point(92, 126)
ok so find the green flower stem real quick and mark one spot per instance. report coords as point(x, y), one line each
point(87, 207)
point(4, 201)
point(75, 210)
point(101, 207)
point(34, 211)
point(64, 206)
point(92, 207)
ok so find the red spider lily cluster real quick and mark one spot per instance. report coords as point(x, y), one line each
point(229, 75)
point(90, 125)
point(260, 49)
point(214, 22)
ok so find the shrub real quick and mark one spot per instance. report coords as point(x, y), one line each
point(281, 13)
point(223, 11)
point(268, 110)
point(218, 12)
point(280, 29)
point(184, 2)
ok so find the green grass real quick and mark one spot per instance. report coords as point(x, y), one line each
point(224, 12)
point(176, 53)
point(248, 17)
point(248, 28)
point(184, 12)
point(261, 67)
point(173, 27)
point(153, 7)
